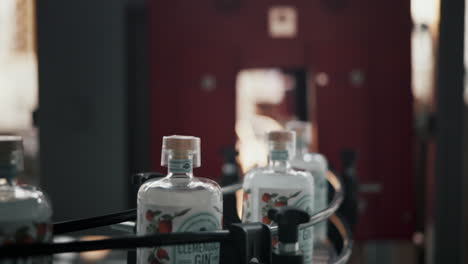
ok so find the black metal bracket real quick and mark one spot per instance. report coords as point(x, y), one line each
point(251, 243)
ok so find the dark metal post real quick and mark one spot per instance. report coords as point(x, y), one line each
point(449, 207)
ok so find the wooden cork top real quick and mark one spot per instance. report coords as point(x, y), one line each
point(181, 143)
point(181, 147)
point(281, 136)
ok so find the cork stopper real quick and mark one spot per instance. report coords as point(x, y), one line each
point(281, 136)
point(181, 147)
point(303, 131)
point(11, 151)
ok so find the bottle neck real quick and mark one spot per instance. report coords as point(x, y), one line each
point(279, 159)
point(8, 174)
point(180, 168)
point(302, 147)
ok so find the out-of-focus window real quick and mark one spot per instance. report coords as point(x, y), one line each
point(425, 20)
point(18, 75)
point(264, 102)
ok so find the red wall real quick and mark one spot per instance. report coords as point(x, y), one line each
point(194, 38)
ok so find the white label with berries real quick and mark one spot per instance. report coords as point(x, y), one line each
point(277, 198)
point(162, 219)
point(25, 232)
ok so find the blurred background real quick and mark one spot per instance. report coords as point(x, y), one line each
point(93, 86)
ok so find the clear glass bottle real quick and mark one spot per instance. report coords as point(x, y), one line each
point(317, 165)
point(278, 185)
point(179, 202)
point(25, 212)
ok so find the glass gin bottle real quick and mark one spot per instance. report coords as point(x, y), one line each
point(317, 165)
point(25, 212)
point(278, 185)
point(179, 202)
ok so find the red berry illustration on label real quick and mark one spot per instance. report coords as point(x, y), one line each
point(158, 256)
point(149, 215)
point(160, 222)
point(41, 229)
point(165, 226)
point(266, 197)
point(246, 195)
point(266, 220)
point(274, 242)
point(281, 204)
point(162, 254)
point(273, 200)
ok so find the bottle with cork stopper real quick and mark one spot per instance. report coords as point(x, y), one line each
point(179, 202)
point(278, 185)
point(25, 212)
point(317, 165)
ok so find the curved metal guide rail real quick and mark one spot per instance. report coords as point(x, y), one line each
point(132, 242)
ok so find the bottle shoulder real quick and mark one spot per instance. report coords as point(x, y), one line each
point(171, 184)
point(23, 202)
point(317, 167)
point(269, 174)
point(312, 159)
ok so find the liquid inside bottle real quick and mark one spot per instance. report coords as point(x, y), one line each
point(179, 202)
point(316, 164)
point(278, 185)
point(25, 212)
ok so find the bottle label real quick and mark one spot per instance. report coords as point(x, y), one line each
point(25, 232)
point(163, 219)
point(277, 198)
point(180, 165)
point(279, 154)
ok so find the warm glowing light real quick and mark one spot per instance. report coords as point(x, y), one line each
point(93, 256)
point(333, 180)
point(425, 14)
point(64, 257)
point(422, 58)
point(425, 11)
point(239, 201)
point(322, 79)
point(282, 22)
point(256, 86)
point(18, 65)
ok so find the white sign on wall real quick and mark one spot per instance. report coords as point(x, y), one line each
point(282, 21)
